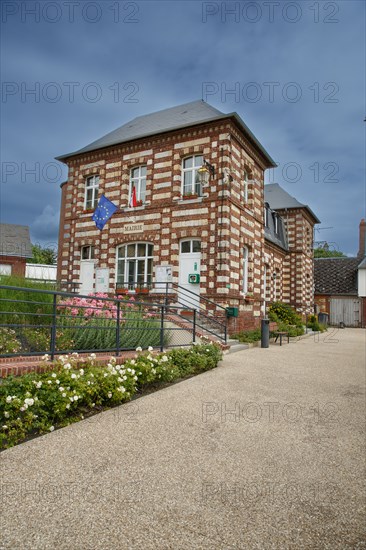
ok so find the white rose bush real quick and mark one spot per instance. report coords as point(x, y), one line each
point(37, 403)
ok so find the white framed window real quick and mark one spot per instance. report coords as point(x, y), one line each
point(138, 182)
point(87, 253)
point(190, 181)
point(134, 265)
point(274, 276)
point(245, 269)
point(245, 186)
point(91, 192)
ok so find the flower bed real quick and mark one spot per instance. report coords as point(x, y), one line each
point(36, 403)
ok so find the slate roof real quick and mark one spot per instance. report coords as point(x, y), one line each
point(15, 240)
point(279, 238)
point(279, 199)
point(181, 116)
point(336, 275)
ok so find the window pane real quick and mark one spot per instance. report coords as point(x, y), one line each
point(142, 190)
point(141, 250)
point(186, 247)
point(187, 185)
point(149, 249)
point(121, 272)
point(92, 252)
point(135, 172)
point(143, 171)
point(188, 162)
point(131, 250)
point(196, 246)
point(198, 160)
point(85, 253)
point(149, 270)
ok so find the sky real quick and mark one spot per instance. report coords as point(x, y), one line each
point(73, 71)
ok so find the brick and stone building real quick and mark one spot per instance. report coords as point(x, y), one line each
point(245, 254)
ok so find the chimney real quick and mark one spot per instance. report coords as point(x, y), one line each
point(362, 250)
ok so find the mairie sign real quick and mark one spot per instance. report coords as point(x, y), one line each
point(134, 228)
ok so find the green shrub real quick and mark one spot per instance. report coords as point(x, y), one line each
point(8, 341)
point(36, 403)
point(314, 324)
point(283, 313)
point(248, 336)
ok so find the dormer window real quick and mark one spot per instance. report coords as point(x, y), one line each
point(266, 213)
point(275, 222)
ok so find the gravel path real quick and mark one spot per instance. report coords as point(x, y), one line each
point(265, 452)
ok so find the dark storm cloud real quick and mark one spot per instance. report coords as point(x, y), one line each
point(294, 74)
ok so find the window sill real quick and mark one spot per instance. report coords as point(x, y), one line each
point(181, 200)
point(133, 208)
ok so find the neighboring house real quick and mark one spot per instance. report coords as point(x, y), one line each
point(340, 286)
point(197, 178)
point(15, 249)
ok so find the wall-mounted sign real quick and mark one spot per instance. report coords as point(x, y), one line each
point(102, 279)
point(133, 228)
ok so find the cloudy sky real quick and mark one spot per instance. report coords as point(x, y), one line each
point(294, 71)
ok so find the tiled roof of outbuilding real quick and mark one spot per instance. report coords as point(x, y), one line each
point(336, 275)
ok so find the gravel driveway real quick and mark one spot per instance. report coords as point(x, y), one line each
point(265, 452)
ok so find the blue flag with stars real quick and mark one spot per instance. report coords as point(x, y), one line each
point(103, 212)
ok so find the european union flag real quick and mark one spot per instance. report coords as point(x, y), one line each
point(103, 212)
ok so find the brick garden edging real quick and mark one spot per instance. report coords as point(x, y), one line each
point(16, 366)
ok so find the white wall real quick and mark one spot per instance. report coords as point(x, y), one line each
point(362, 282)
point(41, 271)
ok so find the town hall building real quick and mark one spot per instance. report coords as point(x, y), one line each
point(192, 211)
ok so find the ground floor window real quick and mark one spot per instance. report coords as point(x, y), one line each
point(134, 265)
point(245, 269)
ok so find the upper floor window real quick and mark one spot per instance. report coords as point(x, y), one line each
point(137, 190)
point(87, 252)
point(275, 222)
point(91, 192)
point(245, 269)
point(245, 186)
point(190, 183)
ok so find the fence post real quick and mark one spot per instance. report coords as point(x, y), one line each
point(225, 331)
point(118, 328)
point(53, 327)
point(162, 329)
point(194, 326)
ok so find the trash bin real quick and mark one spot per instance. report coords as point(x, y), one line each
point(323, 318)
point(265, 333)
point(232, 311)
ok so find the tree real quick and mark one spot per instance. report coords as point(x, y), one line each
point(323, 251)
point(42, 255)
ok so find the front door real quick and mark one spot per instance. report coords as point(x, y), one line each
point(86, 277)
point(189, 264)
